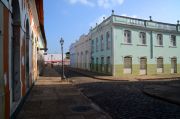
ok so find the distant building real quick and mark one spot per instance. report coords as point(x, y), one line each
point(56, 59)
point(130, 46)
point(80, 53)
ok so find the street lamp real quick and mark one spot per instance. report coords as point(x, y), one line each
point(62, 73)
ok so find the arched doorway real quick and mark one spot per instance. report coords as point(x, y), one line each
point(27, 54)
point(127, 65)
point(173, 65)
point(16, 84)
point(143, 66)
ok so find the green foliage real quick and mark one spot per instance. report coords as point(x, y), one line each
point(67, 55)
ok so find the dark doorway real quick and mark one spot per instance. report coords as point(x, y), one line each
point(16, 84)
point(27, 54)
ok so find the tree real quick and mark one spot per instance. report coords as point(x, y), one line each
point(67, 55)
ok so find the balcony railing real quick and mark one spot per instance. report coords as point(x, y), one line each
point(144, 23)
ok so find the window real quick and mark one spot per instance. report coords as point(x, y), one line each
point(92, 46)
point(102, 64)
point(97, 45)
point(128, 62)
point(142, 36)
point(108, 69)
point(173, 40)
point(173, 65)
point(108, 44)
point(127, 65)
point(97, 63)
point(159, 39)
point(102, 43)
point(92, 63)
point(127, 36)
point(159, 62)
point(143, 63)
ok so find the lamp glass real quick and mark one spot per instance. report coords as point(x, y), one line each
point(61, 41)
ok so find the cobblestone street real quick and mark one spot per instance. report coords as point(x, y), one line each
point(124, 99)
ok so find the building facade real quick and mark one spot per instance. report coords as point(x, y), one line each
point(56, 59)
point(22, 39)
point(130, 46)
point(80, 53)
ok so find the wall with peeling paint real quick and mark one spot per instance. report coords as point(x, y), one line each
point(18, 52)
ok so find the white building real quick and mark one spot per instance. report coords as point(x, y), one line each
point(80, 53)
point(55, 59)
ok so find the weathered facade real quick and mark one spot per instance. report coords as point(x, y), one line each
point(130, 46)
point(22, 39)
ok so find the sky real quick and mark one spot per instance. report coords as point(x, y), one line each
point(70, 19)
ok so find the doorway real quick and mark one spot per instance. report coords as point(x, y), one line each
point(173, 65)
point(143, 66)
point(27, 54)
point(16, 84)
point(127, 65)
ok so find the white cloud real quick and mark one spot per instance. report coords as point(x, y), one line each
point(100, 3)
point(125, 15)
point(109, 3)
point(98, 20)
point(103, 3)
point(84, 2)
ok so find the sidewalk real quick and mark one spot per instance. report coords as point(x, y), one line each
point(51, 98)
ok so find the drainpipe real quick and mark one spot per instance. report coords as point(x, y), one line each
point(151, 40)
point(151, 45)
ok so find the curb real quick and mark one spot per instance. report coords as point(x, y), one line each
point(159, 79)
point(160, 97)
point(104, 79)
point(135, 79)
point(93, 105)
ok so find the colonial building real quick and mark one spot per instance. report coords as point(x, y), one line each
point(22, 41)
point(130, 46)
point(80, 53)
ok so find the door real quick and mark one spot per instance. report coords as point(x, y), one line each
point(127, 65)
point(143, 66)
point(173, 65)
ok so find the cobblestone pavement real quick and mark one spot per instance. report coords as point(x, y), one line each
point(125, 100)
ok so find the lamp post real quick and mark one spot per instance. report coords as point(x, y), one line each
point(62, 73)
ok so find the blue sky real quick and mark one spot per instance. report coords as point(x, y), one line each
point(71, 18)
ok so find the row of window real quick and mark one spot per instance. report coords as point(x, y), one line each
point(143, 39)
point(102, 68)
point(143, 64)
point(108, 42)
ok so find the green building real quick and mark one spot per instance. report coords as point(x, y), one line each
point(130, 46)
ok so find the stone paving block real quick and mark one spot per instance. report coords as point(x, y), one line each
point(75, 117)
